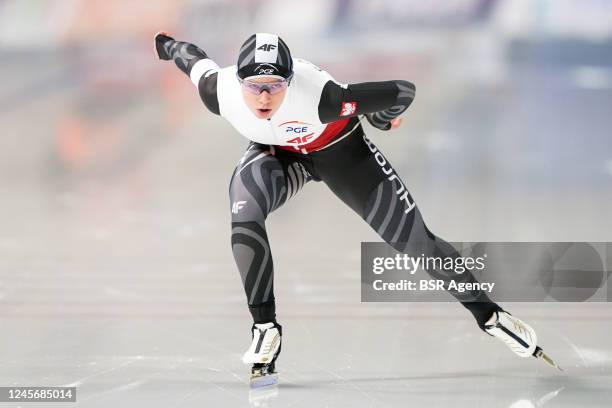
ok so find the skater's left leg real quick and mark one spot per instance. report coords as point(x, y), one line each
point(356, 171)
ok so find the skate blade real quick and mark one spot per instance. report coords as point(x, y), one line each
point(539, 353)
point(262, 381)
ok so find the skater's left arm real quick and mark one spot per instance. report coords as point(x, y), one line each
point(381, 102)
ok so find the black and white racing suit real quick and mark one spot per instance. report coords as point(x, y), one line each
point(315, 135)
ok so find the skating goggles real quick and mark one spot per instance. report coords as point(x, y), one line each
point(273, 87)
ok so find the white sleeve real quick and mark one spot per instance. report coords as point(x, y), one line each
point(203, 67)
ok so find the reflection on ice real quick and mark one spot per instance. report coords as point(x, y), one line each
point(263, 397)
point(526, 403)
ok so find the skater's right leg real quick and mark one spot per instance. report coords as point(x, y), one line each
point(260, 184)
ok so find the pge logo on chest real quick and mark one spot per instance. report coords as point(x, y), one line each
point(302, 130)
point(295, 126)
point(297, 129)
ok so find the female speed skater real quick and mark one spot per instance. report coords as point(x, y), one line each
point(304, 126)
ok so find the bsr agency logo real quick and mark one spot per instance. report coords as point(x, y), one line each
point(301, 130)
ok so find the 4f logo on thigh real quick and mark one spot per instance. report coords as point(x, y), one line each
point(382, 162)
point(237, 206)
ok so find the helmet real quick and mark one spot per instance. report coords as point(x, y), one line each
point(264, 54)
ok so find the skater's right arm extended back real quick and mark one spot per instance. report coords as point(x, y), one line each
point(195, 63)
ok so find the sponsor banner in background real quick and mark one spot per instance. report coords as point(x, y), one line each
point(504, 271)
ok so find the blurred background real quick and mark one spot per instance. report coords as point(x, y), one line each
point(114, 212)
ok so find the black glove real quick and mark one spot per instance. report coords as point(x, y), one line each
point(161, 39)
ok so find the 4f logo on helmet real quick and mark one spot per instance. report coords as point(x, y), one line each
point(348, 108)
point(266, 47)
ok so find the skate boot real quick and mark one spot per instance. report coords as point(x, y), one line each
point(262, 354)
point(517, 335)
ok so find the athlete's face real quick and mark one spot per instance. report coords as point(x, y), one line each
point(264, 104)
